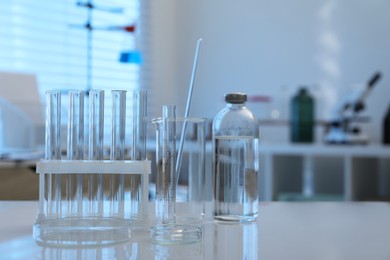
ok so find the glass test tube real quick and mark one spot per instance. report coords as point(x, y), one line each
point(53, 182)
point(117, 191)
point(139, 111)
point(95, 151)
point(75, 151)
point(166, 164)
point(138, 148)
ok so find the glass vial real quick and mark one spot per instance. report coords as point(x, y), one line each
point(235, 161)
point(302, 117)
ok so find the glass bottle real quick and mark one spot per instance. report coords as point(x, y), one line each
point(386, 127)
point(235, 161)
point(302, 117)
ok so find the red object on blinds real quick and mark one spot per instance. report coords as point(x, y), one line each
point(129, 28)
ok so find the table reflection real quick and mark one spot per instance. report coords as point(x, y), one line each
point(118, 251)
point(235, 241)
point(191, 251)
point(219, 241)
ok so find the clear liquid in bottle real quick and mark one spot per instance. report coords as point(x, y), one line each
point(236, 178)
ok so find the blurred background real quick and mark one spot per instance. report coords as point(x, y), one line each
point(267, 49)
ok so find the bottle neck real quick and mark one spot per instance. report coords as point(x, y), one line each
point(235, 106)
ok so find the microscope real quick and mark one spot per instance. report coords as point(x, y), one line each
point(343, 127)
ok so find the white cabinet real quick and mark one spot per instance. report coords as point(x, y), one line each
point(322, 172)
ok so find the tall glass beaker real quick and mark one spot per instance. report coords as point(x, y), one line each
point(191, 184)
point(168, 230)
point(190, 176)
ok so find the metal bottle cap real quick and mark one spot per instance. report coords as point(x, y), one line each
point(236, 98)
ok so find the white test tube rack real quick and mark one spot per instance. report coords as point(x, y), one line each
point(94, 201)
point(58, 225)
point(143, 168)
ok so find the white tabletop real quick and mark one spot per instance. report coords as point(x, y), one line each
point(321, 230)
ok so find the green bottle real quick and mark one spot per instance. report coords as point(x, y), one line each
point(302, 117)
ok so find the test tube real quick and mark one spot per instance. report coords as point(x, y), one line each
point(166, 166)
point(139, 112)
point(138, 148)
point(118, 150)
point(53, 183)
point(95, 151)
point(75, 150)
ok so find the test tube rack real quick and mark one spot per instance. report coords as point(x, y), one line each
point(106, 221)
point(92, 201)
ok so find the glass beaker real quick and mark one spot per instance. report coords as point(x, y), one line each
point(190, 190)
point(168, 230)
point(190, 175)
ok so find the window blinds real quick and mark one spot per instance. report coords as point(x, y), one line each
point(51, 40)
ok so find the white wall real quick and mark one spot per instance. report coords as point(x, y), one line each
point(269, 48)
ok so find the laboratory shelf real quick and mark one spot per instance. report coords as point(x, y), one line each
point(324, 172)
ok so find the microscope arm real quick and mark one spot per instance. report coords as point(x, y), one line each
point(353, 103)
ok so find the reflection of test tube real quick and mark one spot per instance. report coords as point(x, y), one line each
point(138, 147)
point(75, 150)
point(53, 150)
point(117, 192)
point(166, 164)
point(95, 152)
